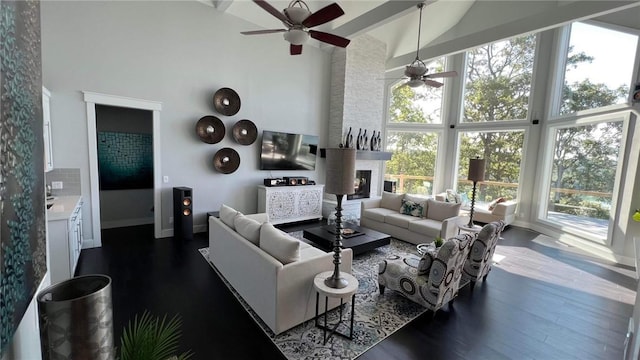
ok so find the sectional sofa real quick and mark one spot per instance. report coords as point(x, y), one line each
point(272, 271)
point(411, 218)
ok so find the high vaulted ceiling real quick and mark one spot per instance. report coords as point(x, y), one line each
point(448, 26)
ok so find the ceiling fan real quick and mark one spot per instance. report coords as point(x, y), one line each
point(298, 19)
point(417, 70)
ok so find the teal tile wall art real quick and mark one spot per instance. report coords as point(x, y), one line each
point(22, 217)
point(125, 160)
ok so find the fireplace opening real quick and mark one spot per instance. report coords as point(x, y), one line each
point(362, 185)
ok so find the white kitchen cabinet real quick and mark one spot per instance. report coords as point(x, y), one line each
point(46, 128)
point(290, 203)
point(65, 236)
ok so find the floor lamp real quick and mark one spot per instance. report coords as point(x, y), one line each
point(341, 168)
point(476, 173)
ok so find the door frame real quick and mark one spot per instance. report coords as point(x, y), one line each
point(92, 99)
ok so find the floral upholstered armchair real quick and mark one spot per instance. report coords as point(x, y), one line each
point(480, 257)
point(431, 281)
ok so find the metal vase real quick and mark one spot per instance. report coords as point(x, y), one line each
point(76, 319)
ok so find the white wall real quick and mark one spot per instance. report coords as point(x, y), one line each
point(180, 53)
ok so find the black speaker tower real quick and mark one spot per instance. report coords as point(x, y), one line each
point(182, 213)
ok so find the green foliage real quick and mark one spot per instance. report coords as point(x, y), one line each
point(438, 241)
point(152, 338)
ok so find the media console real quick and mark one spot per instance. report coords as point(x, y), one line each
point(286, 204)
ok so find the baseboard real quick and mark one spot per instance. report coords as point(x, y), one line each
point(89, 243)
point(165, 233)
point(125, 222)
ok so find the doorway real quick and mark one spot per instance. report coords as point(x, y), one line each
point(96, 104)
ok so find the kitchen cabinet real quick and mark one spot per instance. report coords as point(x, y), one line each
point(65, 236)
point(46, 129)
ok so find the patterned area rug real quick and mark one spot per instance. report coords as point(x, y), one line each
point(376, 316)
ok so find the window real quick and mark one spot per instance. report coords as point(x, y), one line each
point(502, 151)
point(599, 68)
point(498, 80)
point(419, 105)
point(413, 162)
point(583, 174)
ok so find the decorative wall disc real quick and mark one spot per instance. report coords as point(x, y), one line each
point(245, 132)
point(226, 160)
point(226, 101)
point(210, 129)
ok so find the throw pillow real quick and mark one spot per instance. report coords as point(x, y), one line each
point(391, 201)
point(418, 199)
point(248, 228)
point(440, 210)
point(228, 215)
point(281, 246)
point(452, 196)
point(411, 208)
point(495, 202)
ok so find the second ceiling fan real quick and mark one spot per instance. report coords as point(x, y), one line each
point(299, 20)
point(417, 71)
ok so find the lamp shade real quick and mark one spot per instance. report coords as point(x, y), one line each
point(476, 169)
point(341, 170)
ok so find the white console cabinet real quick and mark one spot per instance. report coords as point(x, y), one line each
point(286, 204)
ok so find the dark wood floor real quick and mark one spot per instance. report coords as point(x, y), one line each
point(540, 302)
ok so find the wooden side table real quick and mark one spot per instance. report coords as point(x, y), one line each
point(345, 293)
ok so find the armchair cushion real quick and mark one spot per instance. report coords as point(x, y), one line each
point(439, 210)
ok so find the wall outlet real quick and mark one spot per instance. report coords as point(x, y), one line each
point(56, 185)
point(170, 219)
point(165, 179)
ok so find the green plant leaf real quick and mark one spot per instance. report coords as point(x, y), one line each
point(152, 338)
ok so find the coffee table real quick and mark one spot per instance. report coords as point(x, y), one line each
point(370, 239)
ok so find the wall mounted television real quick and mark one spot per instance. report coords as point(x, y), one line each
point(286, 151)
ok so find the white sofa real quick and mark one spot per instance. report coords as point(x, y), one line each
point(505, 211)
point(437, 218)
point(281, 294)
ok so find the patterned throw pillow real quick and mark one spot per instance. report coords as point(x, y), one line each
point(411, 208)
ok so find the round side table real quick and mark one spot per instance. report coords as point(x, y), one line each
point(465, 227)
point(348, 293)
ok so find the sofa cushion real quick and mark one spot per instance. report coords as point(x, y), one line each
point(427, 227)
point(399, 220)
point(377, 214)
point(228, 215)
point(391, 201)
point(247, 228)
point(439, 210)
point(412, 208)
point(281, 246)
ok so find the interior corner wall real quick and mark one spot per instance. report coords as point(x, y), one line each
point(357, 99)
point(180, 53)
point(125, 207)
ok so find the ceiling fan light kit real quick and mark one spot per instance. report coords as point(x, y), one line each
point(299, 20)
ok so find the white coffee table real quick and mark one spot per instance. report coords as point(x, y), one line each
point(348, 292)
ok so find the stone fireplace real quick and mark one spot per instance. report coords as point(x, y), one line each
point(362, 185)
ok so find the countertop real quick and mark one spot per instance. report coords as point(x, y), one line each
point(63, 207)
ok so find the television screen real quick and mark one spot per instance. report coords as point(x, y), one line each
point(284, 151)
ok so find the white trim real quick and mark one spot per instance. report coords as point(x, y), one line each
point(91, 100)
point(165, 233)
point(126, 222)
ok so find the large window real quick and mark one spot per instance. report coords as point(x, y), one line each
point(599, 68)
point(413, 163)
point(498, 82)
point(583, 175)
point(420, 105)
point(502, 151)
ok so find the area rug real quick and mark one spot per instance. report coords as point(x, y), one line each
point(376, 316)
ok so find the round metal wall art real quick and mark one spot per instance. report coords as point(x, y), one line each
point(210, 129)
point(226, 101)
point(245, 132)
point(226, 160)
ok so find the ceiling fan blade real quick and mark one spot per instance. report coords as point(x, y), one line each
point(258, 32)
point(329, 38)
point(442, 74)
point(273, 11)
point(433, 83)
point(324, 15)
point(295, 49)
